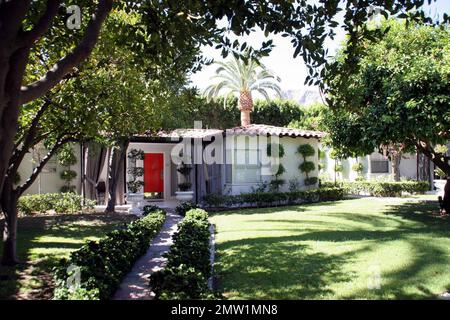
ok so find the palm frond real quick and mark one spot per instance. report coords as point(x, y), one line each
point(235, 76)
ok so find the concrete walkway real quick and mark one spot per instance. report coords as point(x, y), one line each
point(136, 284)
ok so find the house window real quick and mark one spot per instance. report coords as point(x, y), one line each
point(379, 166)
point(247, 166)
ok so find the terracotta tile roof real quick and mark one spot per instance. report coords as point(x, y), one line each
point(253, 129)
point(262, 129)
point(187, 133)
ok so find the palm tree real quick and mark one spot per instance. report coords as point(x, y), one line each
point(241, 78)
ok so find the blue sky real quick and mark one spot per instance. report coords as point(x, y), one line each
point(291, 71)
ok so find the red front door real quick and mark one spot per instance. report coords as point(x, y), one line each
point(154, 172)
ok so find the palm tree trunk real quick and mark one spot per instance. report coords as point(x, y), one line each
point(246, 107)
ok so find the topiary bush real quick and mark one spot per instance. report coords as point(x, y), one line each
point(184, 207)
point(307, 167)
point(58, 202)
point(311, 181)
point(96, 269)
point(67, 158)
point(306, 150)
point(276, 183)
point(358, 168)
point(185, 186)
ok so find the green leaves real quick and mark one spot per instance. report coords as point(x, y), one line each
point(395, 92)
point(104, 263)
point(307, 166)
point(306, 150)
point(188, 265)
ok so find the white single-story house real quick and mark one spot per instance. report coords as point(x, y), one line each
point(231, 161)
point(376, 166)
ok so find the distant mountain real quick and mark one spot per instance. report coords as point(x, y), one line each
point(303, 96)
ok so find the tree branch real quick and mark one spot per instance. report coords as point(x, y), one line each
point(29, 37)
point(428, 151)
point(40, 87)
point(29, 139)
point(41, 165)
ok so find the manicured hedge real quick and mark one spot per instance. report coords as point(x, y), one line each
point(264, 199)
point(184, 207)
point(385, 189)
point(103, 264)
point(59, 202)
point(188, 262)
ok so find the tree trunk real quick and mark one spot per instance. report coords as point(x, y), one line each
point(15, 45)
point(443, 164)
point(9, 108)
point(245, 106)
point(446, 200)
point(245, 117)
point(115, 163)
point(9, 199)
point(423, 168)
point(395, 163)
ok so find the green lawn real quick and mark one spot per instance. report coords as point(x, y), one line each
point(335, 250)
point(42, 242)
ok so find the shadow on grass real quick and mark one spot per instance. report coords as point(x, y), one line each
point(41, 242)
point(262, 210)
point(415, 279)
point(286, 267)
point(270, 268)
point(425, 214)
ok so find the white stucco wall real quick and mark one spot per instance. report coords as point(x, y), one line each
point(165, 149)
point(408, 167)
point(290, 161)
point(49, 182)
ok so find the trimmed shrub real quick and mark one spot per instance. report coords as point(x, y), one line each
point(59, 202)
point(260, 199)
point(197, 214)
point(191, 245)
point(184, 207)
point(188, 262)
point(102, 265)
point(68, 175)
point(385, 189)
point(311, 181)
point(185, 186)
point(275, 185)
point(179, 283)
point(307, 166)
point(306, 150)
point(358, 168)
point(149, 209)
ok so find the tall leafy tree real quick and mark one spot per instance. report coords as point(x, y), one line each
point(312, 118)
point(395, 95)
point(107, 99)
point(34, 30)
point(241, 77)
point(22, 25)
